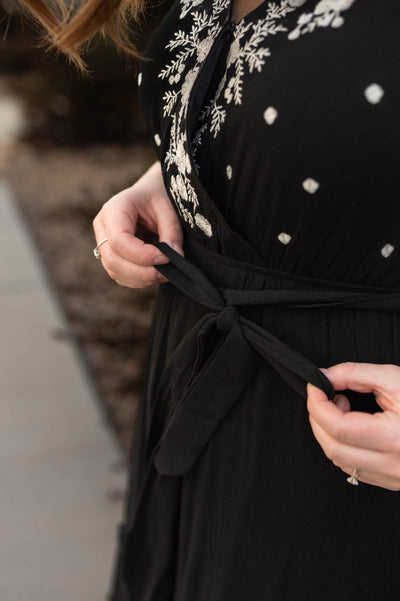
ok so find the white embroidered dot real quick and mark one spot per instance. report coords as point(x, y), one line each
point(139, 79)
point(387, 250)
point(229, 171)
point(270, 114)
point(157, 140)
point(374, 93)
point(284, 238)
point(310, 185)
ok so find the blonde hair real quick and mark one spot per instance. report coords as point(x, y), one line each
point(69, 27)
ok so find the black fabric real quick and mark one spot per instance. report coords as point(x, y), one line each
point(230, 495)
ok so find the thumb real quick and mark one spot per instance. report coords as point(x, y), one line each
point(169, 227)
point(342, 403)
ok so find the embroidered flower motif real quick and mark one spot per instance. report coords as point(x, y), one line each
point(229, 171)
point(192, 45)
point(187, 6)
point(325, 14)
point(247, 54)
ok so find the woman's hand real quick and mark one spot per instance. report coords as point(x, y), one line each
point(352, 439)
point(127, 258)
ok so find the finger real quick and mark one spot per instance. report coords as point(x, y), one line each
point(169, 227)
point(365, 377)
point(372, 431)
point(343, 454)
point(342, 403)
point(120, 230)
point(130, 274)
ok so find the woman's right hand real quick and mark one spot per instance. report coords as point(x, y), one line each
point(127, 258)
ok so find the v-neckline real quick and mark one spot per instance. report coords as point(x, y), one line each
point(247, 15)
point(212, 207)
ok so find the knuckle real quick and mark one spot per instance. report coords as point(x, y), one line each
point(348, 366)
point(115, 245)
point(149, 279)
point(395, 471)
point(329, 451)
point(334, 454)
point(338, 432)
point(113, 275)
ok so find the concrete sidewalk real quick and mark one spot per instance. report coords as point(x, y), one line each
point(59, 501)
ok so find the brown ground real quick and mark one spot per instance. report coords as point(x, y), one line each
point(60, 191)
point(84, 141)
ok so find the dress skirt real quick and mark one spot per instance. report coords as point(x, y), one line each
point(279, 140)
point(250, 507)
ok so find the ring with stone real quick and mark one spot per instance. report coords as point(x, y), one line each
point(353, 478)
point(96, 250)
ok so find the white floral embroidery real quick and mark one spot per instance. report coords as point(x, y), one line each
point(203, 224)
point(245, 51)
point(325, 14)
point(157, 139)
point(194, 44)
point(187, 5)
point(229, 171)
point(247, 54)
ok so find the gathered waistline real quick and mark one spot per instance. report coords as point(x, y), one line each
point(214, 388)
point(212, 262)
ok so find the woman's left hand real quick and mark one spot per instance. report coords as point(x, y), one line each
point(352, 439)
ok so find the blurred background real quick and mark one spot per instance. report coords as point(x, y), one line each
point(72, 341)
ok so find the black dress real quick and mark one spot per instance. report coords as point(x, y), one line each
point(279, 139)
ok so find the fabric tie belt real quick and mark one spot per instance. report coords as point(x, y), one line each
point(202, 380)
point(218, 383)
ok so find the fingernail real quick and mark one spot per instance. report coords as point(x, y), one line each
point(177, 248)
point(160, 259)
point(161, 279)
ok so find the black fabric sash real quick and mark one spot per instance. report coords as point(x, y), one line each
point(204, 382)
point(217, 385)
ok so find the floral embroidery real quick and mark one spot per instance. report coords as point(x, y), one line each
point(326, 14)
point(192, 45)
point(247, 53)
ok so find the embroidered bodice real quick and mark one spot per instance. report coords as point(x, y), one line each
point(287, 141)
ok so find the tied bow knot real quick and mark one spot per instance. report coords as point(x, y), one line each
point(228, 316)
point(216, 384)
